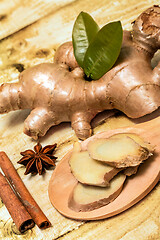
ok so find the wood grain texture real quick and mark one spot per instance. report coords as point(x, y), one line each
point(32, 45)
point(37, 43)
point(17, 14)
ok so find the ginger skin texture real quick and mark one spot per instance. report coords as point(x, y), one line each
point(58, 92)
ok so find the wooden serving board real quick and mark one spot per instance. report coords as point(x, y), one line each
point(135, 188)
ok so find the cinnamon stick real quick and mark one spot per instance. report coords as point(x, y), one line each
point(32, 207)
point(19, 214)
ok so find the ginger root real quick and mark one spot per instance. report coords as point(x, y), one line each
point(119, 151)
point(58, 91)
point(87, 198)
point(129, 171)
point(89, 171)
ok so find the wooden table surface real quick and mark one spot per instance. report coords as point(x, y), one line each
point(30, 32)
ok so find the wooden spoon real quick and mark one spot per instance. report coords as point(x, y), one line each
point(137, 187)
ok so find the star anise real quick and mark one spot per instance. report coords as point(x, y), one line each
point(38, 160)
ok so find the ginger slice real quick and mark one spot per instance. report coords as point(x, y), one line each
point(130, 170)
point(137, 139)
point(119, 151)
point(89, 171)
point(133, 170)
point(87, 198)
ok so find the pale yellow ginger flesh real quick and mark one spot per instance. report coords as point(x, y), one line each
point(119, 151)
point(123, 151)
point(138, 140)
point(88, 198)
point(88, 170)
point(133, 170)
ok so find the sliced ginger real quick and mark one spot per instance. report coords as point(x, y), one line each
point(120, 150)
point(99, 165)
point(130, 170)
point(89, 171)
point(137, 139)
point(87, 198)
point(133, 170)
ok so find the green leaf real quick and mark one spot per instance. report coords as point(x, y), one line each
point(104, 50)
point(84, 30)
